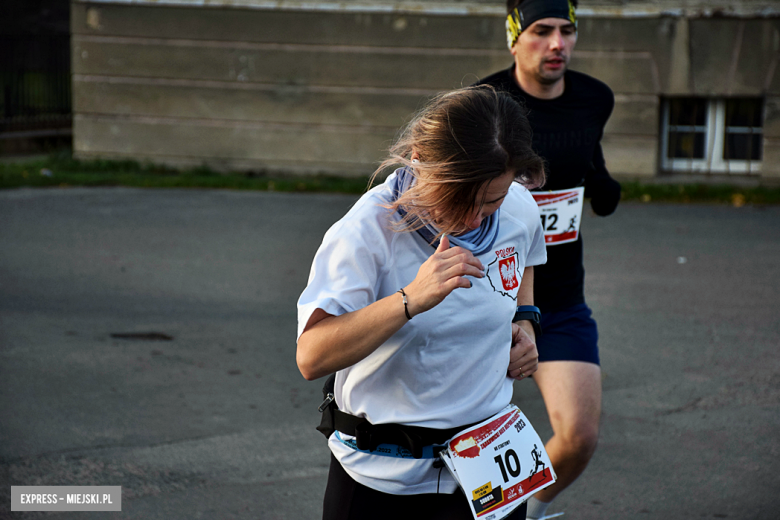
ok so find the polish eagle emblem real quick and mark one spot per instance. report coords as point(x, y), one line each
point(508, 270)
point(505, 273)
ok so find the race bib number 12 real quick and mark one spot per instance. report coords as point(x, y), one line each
point(499, 464)
point(561, 212)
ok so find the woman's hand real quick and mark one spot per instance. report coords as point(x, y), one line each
point(442, 273)
point(523, 356)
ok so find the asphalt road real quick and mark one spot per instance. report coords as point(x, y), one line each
point(217, 423)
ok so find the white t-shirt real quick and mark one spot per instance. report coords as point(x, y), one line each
point(446, 367)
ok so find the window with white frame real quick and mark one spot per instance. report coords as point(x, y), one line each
point(712, 135)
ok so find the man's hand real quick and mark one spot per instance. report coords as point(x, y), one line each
point(523, 356)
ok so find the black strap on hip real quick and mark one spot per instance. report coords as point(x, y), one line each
point(369, 436)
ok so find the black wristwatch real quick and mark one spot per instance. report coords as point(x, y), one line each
point(532, 314)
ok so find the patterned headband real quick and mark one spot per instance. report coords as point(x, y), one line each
point(532, 11)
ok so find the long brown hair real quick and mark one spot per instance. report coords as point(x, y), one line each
point(464, 139)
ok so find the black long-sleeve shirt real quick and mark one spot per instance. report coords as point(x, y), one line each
point(567, 133)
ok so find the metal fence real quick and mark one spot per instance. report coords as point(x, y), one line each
point(35, 97)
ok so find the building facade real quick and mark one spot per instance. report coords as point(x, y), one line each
point(323, 87)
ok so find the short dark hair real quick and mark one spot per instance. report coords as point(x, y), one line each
point(465, 138)
point(511, 5)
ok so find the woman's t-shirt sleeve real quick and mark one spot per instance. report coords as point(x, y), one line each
point(345, 272)
point(537, 252)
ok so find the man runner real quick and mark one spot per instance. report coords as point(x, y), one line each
point(567, 111)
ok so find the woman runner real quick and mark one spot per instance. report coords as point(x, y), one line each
point(411, 299)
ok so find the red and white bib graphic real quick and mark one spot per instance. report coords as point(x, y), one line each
point(503, 272)
point(561, 213)
point(499, 464)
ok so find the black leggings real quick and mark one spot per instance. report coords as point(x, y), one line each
point(345, 499)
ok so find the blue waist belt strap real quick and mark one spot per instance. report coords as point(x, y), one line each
point(384, 439)
point(394, 450)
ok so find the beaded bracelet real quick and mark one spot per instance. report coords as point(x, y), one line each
point(406, 304)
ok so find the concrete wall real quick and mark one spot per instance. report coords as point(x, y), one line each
point(644, 58)
point(324, 87)
point(306, 91)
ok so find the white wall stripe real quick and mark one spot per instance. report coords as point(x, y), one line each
point(236, 85)
point(231, 123)
point(289, 47)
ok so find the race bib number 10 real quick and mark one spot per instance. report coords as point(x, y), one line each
point(499, 464)
point(561, 212)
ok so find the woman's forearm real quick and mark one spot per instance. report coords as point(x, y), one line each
point(525, 296)
point(330, 343)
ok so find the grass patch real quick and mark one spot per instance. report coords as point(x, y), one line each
point(63, 171)
point(709, 193)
